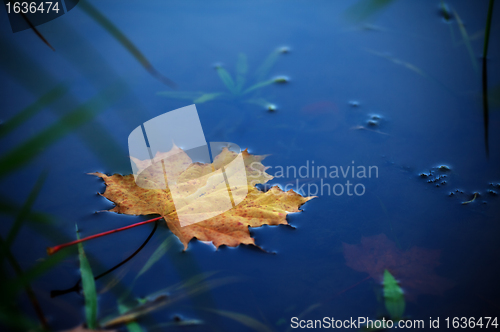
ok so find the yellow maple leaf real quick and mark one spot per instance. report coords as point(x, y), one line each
point(141, 195)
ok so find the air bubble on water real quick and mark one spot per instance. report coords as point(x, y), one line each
point(271, 107)
point(281, 79)
point(354, 103)
point(372, 123)
point(444, 168)
point(284, 49)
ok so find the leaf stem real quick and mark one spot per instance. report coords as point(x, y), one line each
point(53, 250)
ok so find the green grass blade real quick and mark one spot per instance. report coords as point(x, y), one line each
point(259, 86)
point(28, 150)
point(131, 326)
point(227, 79)
point(393, 296)
point(241, 71)
point(465, 37)
point(363, 9)
point(488, 28)
point(88, 286)
point(242, 319)
point(157, 255)
point(25, 209)
point(113, 30)
point(30, 111)
point(207, 97)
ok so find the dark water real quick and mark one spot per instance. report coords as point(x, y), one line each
point(405, 64)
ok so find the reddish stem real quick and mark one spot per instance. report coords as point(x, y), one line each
point(53, 250)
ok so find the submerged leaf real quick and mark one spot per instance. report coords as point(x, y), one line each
point(229, 228)
point(268, 64)
point(366, 8)
point(207, 97)
point(241, 71)
point(259, 85)
point(227, 79)
point(413, 268)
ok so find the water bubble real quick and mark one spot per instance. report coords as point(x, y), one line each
point(354, 103)
point(372, 123)
point(444, 168)
point(271, 107)
point(281, 79)
point(284, 49)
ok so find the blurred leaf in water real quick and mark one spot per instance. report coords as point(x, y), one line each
point(365, 8)
point(81, 328)
point(243, 319)
point(206, 97)
point(102, 20)
point(269, 62)
point(466, 39)
point(26, 209)
point(157, 255)
point(241, 71)
point(30, 75)
point(411, 67)
point(131, 326)
point(27, 113)
point(128, 315)
point(88, 286)
point(414, 268)
point(27, 151)
point(236, 89)
point(393, 297)
point(227, 79)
